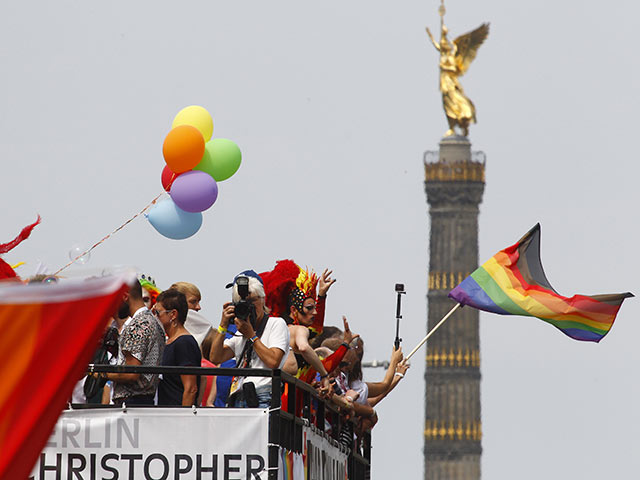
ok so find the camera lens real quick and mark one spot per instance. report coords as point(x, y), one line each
point(242, 309)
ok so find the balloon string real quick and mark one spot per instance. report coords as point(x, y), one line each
point(110, 234)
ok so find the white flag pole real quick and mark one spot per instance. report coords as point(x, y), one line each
point(433, 330)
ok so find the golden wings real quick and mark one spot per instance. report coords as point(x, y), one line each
point(467, 46)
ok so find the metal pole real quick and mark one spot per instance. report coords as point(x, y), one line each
point(433, 330)
point(400, 291)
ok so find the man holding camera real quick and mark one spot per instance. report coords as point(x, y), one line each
point(261, 341)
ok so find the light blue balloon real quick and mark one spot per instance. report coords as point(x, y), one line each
point(172, 222)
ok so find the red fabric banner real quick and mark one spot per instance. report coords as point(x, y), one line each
point(48, 333)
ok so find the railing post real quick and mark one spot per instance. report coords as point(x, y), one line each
point(274, 424)
point(320, 415)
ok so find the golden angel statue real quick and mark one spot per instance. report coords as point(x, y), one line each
point(455, 59)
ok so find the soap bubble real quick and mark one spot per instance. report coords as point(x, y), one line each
point(76, 250)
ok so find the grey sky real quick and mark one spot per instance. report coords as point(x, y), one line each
point(333, 105)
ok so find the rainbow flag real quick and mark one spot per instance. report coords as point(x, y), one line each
point(48, 333)
point(513, 282)
point(286, 465)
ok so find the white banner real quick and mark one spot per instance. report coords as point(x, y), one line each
point(325, 460)
point(156, 444)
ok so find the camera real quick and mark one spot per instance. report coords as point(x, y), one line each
point(243, 308)
point(336, 388)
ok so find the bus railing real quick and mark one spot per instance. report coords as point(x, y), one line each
point(294, 404)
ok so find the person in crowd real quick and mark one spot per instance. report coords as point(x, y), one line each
point(181, 350)
point(398, 375)
point(323, 352)
point(191, 292)
point(360, 391)
point(291, 293)
point(222, 382)
point(337, 395)
point(141, 343)
point(327, 333)
point(263, 342)
point(119, 324)
point(150, 291)
point(42, 278)
point(339, 345)
point(196, 324)
point(350, 386)
point(208, 389)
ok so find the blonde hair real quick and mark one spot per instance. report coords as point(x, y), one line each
point(187, 288)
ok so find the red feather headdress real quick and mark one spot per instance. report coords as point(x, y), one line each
point(5, 269)
point(286, 283)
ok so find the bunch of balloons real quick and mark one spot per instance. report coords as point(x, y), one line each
point(195, 163)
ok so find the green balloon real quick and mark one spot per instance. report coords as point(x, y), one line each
point(221, 159)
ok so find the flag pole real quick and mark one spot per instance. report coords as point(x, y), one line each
point(433, 330)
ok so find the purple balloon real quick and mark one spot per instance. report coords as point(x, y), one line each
point(194, 191)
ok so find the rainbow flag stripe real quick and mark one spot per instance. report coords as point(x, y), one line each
point(286, 465)
point(513, 282)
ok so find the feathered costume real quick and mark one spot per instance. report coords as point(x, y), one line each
point(5, 269)
point(290, 285)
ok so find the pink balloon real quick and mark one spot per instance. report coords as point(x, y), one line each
point(194, 191)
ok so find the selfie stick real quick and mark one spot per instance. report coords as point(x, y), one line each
point(400, 291)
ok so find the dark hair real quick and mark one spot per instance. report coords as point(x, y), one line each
point(172, 299)
point(327, 332)
point(332, 343)
point(135, 290)
point(356, 371)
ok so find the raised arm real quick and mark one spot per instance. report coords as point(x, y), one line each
point(219, 351)
point(332, 361)
point(379, 388)
point(401, 369)
point(435, 44)
point(324, 284)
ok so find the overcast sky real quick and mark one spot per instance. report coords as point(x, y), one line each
point(333, 105)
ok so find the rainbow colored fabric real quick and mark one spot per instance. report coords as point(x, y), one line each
point(513, 282)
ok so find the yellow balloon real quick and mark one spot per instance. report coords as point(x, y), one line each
point(197, 117)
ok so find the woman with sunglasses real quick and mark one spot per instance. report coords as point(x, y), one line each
point(181, 350)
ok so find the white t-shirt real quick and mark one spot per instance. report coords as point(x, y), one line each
point(276, 334)
point(363, 391)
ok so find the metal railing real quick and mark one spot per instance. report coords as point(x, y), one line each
point(303, 406)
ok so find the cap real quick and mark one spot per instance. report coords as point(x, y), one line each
point(246, 273)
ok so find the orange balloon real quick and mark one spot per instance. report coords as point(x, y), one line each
point(183, 148)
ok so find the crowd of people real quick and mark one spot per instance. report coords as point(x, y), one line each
point(275, 320)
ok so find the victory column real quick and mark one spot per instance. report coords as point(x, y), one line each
point(454, 184)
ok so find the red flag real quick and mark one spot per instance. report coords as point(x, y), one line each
point(48, 333)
